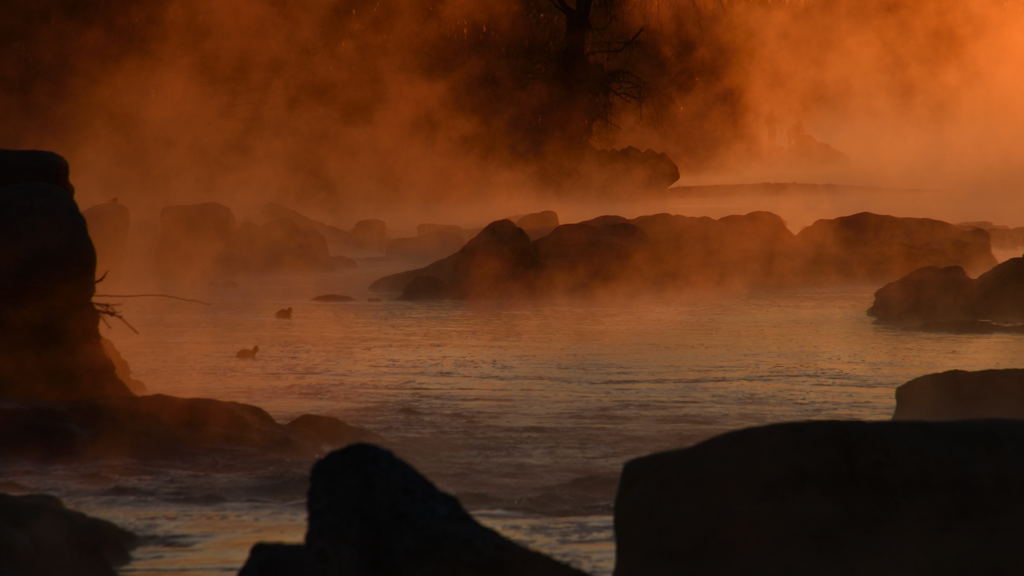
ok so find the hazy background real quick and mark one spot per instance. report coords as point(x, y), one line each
point(400, 109)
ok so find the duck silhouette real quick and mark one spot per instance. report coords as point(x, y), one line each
point(247, 353)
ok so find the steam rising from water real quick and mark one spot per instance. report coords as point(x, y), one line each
point(358, 107)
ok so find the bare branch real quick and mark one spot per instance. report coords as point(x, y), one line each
point(622, 46)
point(104, 309)
point(192, 300)
point(562, 6)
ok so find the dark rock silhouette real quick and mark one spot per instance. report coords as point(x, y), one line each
point(741, 252)
point(927, 296)
point(999, 295)
point(492, 264)
point(40, 537)
point(160, 427)
point(333, 298)
point(961, 395)
point(43, 167)
point(631, 169)
point(828, 498)
point(947, 299)
point(370, 513)
point(284, 313)
point(121, 368)
point(109, 224)
point(589, 256)
point(60, 393)
point(538, 224)
point(48, 325)
point(873, 247)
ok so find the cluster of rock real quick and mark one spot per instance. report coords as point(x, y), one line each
point(947, 298)
point(823, 497)
point(60, 393)
point(1003, 237)
point(670, 252)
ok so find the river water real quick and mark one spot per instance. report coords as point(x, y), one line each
point(526, 411)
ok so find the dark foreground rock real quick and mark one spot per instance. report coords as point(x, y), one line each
point(828, 498)
point(48, 325)
point(371, 514)
point(40, 537)
point(163, 427)
point(946, 298)
point(962, 395)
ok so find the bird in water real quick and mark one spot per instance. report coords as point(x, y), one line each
point(248, 353)
point(284, 313)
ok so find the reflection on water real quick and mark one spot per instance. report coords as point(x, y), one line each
point(526, 411)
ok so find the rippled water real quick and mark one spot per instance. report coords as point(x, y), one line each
point(525, 410)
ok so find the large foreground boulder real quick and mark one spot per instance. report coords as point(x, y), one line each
point(371, 514)
point(48, 325)
point(40, 537)
point(837, 498)
point(962, 395)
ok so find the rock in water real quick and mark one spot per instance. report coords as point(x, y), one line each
point(875, 247)
point(838, 498)
point(1000, 292)
point(48, 326)
point(961, 395)
point(926, 296)
point(40, 537)
point(371, 514)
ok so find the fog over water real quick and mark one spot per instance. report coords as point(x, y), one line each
point(454, 112)
point(526, 411)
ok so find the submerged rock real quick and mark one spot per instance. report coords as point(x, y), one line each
point(371, 514)
point(961, 395)
point(40, 537)
point(828, 498)
point(333, 298)
point(48, 325)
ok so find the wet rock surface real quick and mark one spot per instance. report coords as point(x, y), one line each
point(370, 513)
point(828, 498)
point(962, 395)
point(40, 537)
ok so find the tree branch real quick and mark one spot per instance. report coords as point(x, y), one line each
point(621, 48)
